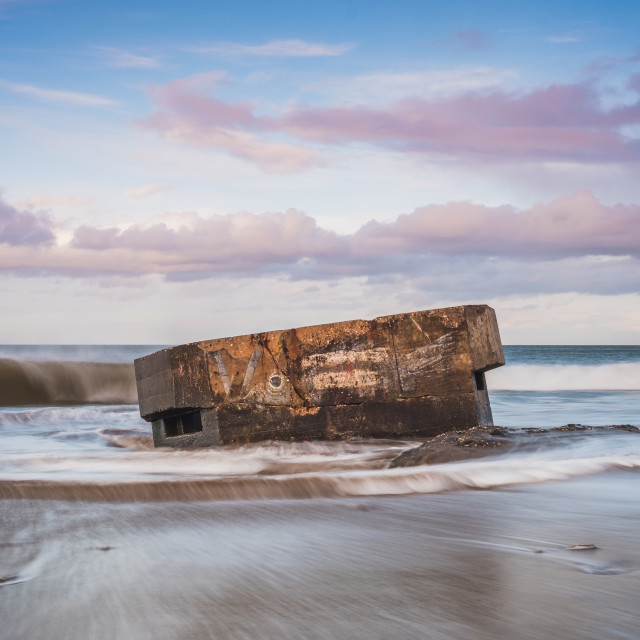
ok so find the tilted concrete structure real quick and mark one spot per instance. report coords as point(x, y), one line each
point(411, 374)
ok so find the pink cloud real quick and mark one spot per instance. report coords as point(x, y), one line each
point(577, 225)
point(189, 98)
point(571, 243)
point(189, 115)
point(634, 82)
point(86, 237)
point(24, 227)
point(241, 241)
point(555, 123)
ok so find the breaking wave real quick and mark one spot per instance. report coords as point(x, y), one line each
point(65, 383)
point(55, 382)
point(485, 474)
point(623, 376)
point(276, 470)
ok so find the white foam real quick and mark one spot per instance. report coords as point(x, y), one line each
point(45, 417)
point(605, 377)
point(484, 474)
point(142, 460)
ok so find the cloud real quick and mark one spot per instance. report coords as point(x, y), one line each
point(277, 48)
point(559, 122)
point(55, 95)
point(604, 64)
point(469, 277)
point(556, 123)
point(634, 82)
point(574, 243)
point(188, 101)
point(578, 225)
point(19, 228)
point(385, 88)
point(189, 115)
point(221, 243)
point(123, 59)
point(472, 40)
point(148, 190)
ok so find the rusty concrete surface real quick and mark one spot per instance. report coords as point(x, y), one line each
point(411, 374)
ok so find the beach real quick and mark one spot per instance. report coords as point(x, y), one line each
point(321, 321)
point(105, 537)
point(481, 564)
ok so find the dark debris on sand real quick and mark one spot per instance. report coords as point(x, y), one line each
point(479, 442)
point(7, 580)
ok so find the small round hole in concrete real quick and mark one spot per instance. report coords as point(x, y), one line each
point(275, 382)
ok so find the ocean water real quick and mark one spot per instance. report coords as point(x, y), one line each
point(555, 385)
point(115, 539)
point(68, 416)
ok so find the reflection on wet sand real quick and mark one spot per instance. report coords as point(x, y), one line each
point(458, 565)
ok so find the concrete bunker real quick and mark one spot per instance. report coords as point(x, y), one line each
point(413, 374)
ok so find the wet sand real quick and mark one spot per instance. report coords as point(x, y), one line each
point(467, 564)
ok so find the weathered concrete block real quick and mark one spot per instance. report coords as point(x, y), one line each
point(411, 374)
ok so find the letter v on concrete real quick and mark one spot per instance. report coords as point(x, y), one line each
point(411, 374)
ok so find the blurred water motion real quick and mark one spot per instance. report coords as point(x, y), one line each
point(319, 540)
point(442, 566)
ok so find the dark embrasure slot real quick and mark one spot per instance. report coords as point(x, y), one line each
point(191, 422)
point(481, 383)
point(181, 424)
point(172, 426)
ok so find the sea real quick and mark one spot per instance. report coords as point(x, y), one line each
point(103, 536)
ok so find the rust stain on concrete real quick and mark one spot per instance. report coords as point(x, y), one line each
point(412, 374)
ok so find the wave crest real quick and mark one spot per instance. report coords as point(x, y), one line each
point(58, 383)
point(496, 473)
point(604, 377)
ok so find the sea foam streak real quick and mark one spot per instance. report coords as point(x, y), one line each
point(307, 470)
point(485, 474)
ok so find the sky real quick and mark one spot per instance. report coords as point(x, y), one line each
point(173, 172)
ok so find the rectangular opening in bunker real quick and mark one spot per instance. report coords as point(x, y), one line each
point(191, 422)
point(171, 426)
point(182, 424)
point(481, 383)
